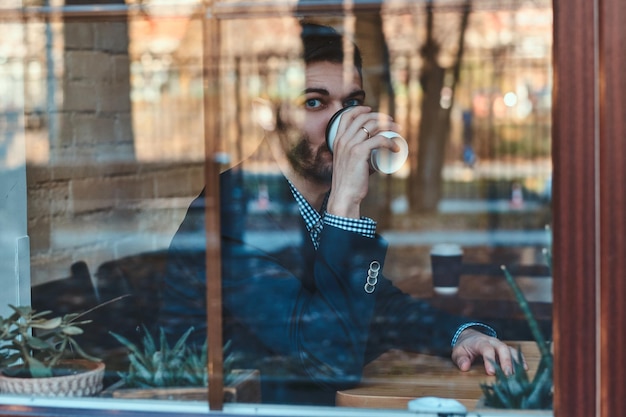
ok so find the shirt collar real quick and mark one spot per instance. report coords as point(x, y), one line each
point(311, 216)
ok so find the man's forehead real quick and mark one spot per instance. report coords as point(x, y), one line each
point(331, 76)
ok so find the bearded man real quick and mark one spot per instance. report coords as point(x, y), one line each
point(304, 297)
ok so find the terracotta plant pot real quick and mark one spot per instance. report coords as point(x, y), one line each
point(84, 382)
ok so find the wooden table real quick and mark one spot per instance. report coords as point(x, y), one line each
point(396, 377)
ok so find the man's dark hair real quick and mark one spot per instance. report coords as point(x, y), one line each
point(323, 43)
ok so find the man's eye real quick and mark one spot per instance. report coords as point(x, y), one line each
point(352, 102)
point(312, 103)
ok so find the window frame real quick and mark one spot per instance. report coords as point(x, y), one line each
point(588, 203)
point(588, 154)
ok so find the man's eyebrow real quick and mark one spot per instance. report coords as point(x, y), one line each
point(356, 93)
point(322, 91)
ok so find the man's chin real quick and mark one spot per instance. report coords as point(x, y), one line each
point(325, 170)
point(323, 177)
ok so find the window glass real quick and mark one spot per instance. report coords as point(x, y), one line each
point(123, 112)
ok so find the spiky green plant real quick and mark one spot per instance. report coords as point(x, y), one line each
point(153, 365)
point(517, 390)
point(39, 342)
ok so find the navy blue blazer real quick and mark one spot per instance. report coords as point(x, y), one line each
point(299, 315)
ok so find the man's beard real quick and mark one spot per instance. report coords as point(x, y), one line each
point(310, 163)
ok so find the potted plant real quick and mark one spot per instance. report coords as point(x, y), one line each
point(519, 391)
point(161, 371)
point(40, 355)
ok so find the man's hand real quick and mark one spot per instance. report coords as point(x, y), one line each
point(473, 344)
point(357, 136)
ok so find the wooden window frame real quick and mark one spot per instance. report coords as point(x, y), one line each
point(589, 151)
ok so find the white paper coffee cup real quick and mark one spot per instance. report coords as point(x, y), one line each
point(382, 159)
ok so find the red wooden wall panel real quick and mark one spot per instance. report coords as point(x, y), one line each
point(589, 152)
point(574, 209)
point(612, 174)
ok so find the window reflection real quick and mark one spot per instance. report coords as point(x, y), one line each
point(115, 153)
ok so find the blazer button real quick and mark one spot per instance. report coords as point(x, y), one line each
point(372, 277)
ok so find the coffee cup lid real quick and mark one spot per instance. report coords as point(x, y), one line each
point(446, 249)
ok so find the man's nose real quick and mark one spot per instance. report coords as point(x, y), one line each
point(334, 108)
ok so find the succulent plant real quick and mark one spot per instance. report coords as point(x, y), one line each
point(39, 342)
point(518, 390)
point(160, 365)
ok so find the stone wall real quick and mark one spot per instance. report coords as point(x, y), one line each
point(93, 200)
point(96, 213)
point(95, 114)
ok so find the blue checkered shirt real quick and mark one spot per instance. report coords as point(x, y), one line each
point(315, 221)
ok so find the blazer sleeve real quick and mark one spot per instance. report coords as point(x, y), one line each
point(405, 322)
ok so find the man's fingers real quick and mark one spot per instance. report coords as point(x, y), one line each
point(464, 363)
point(493, 351)
point(514, 355)
point(489, 358)
point(505, 357)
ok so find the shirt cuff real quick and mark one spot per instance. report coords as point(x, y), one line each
point(363, 226)
point(488, 330)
